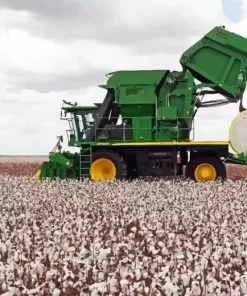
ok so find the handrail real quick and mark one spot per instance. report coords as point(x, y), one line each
point(177, 128)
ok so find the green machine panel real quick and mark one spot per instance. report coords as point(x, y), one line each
point(136, 94)
point(219, 57)
point(142, 129)
point(167, 113)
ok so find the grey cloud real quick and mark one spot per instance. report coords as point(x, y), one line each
point(5, 100)
point(166, 45)
point(102, 21)
point(45, 83)
point(63, 10)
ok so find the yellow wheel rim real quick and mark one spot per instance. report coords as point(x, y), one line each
point(103, 169)
point(205, 172)
point(37, 175)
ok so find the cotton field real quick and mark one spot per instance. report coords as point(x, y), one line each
point(144, 237)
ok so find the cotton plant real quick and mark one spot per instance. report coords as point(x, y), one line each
point(145, 237)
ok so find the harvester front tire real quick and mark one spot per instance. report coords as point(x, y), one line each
point(206, 168)
point(108, 165)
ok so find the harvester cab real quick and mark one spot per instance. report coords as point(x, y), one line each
point(146, 121)
point(81, 121)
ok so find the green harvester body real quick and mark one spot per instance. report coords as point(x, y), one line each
point(150, 113)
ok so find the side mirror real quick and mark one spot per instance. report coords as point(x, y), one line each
point(61, 139)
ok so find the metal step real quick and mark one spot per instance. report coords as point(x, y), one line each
point(85, 161)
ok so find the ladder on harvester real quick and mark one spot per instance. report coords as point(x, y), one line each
point(85, 161)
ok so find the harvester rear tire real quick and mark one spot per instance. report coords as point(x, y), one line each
point(112, 161)
point(210, 163)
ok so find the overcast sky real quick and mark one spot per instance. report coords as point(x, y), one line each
point(52, 50)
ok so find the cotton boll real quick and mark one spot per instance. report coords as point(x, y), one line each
point(12, 292)
point(186, 279)
point(180, 256)
point(161, 244)
point(56, 292)
point(4, 286)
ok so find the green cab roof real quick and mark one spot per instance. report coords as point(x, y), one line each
point(144, 77)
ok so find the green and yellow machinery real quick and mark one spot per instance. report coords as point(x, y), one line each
point(145, 125)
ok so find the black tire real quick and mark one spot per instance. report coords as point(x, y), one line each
point(213, 161)
point(119, 162)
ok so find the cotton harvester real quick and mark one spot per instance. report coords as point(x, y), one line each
point(144, 125)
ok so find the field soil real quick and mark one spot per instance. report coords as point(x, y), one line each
point(20, 165)
point(28, 165)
